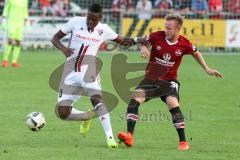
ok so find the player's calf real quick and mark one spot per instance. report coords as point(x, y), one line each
point(63, 112)
point(98, 105)
point(72, 114)
point(102, 112)
point(137, 98)
point(179, 124)
point(132, 115)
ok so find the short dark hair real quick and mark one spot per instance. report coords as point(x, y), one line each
point(175, 16)
point(95, 8)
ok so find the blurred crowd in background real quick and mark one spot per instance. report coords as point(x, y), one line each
point(191, 8)
point(144, 9)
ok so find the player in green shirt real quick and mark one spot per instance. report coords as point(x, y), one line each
point(15, 12)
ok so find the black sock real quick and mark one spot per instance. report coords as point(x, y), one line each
point(181, 134)
point(178, 121)
point(132, 115)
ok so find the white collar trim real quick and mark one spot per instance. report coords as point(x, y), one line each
point(171, 43)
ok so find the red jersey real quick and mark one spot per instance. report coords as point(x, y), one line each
point(166, 57)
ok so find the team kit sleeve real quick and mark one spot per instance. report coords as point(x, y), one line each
point(68, 27)
point(109, 34)
point(152, 37)
point(190, 49)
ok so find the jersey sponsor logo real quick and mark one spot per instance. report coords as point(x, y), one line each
point(178, 52)
point(167, 56)
point(88, 38)
point(158, 48)
point(165, 61)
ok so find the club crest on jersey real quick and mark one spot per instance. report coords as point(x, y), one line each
point(194, 48)
point(100, 32)
point(167, 56)
point(158, 48)
point(178, 52)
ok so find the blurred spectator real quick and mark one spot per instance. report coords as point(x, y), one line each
point(163, 4)
point(215, 5)
point(74, 8)
point(182, 6)
point(144, 7)
point(58, 7)
point(33, 7)
point(117, 5)
point(215, 8)
point(46, 5)
point(163, 7)
point(233, 6)
point(1, 6)
point(67, 6)
point(199, 7)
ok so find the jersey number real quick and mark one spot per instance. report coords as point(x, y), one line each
point(174, 85)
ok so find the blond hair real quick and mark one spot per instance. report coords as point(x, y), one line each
point(175, 16)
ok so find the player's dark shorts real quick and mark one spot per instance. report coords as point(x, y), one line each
point(159, 88)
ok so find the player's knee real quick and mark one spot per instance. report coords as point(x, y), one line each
point(10, 42)
point(139, 96)
point(63, 112)
point(96, 99)
point(18, 43)
point(172, 102)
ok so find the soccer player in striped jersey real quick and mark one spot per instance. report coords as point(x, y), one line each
point(87, 34)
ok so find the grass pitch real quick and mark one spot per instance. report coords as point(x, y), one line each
point(211, 107)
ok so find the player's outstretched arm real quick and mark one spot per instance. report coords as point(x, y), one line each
point(126, 41)
point(58, 44)
point(132, 41)
point(212, 72)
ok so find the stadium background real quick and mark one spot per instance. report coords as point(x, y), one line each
point(211, 106)
point(213, 27)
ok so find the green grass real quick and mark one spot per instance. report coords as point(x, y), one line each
point(212, 106)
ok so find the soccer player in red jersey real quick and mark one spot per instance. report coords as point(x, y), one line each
point(167, 50)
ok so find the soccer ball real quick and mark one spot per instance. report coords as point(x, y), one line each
point(35, 121)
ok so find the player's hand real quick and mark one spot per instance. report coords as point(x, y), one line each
point(68, 52)
point(213, 72)
point(144, 52)
point(144, 41)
